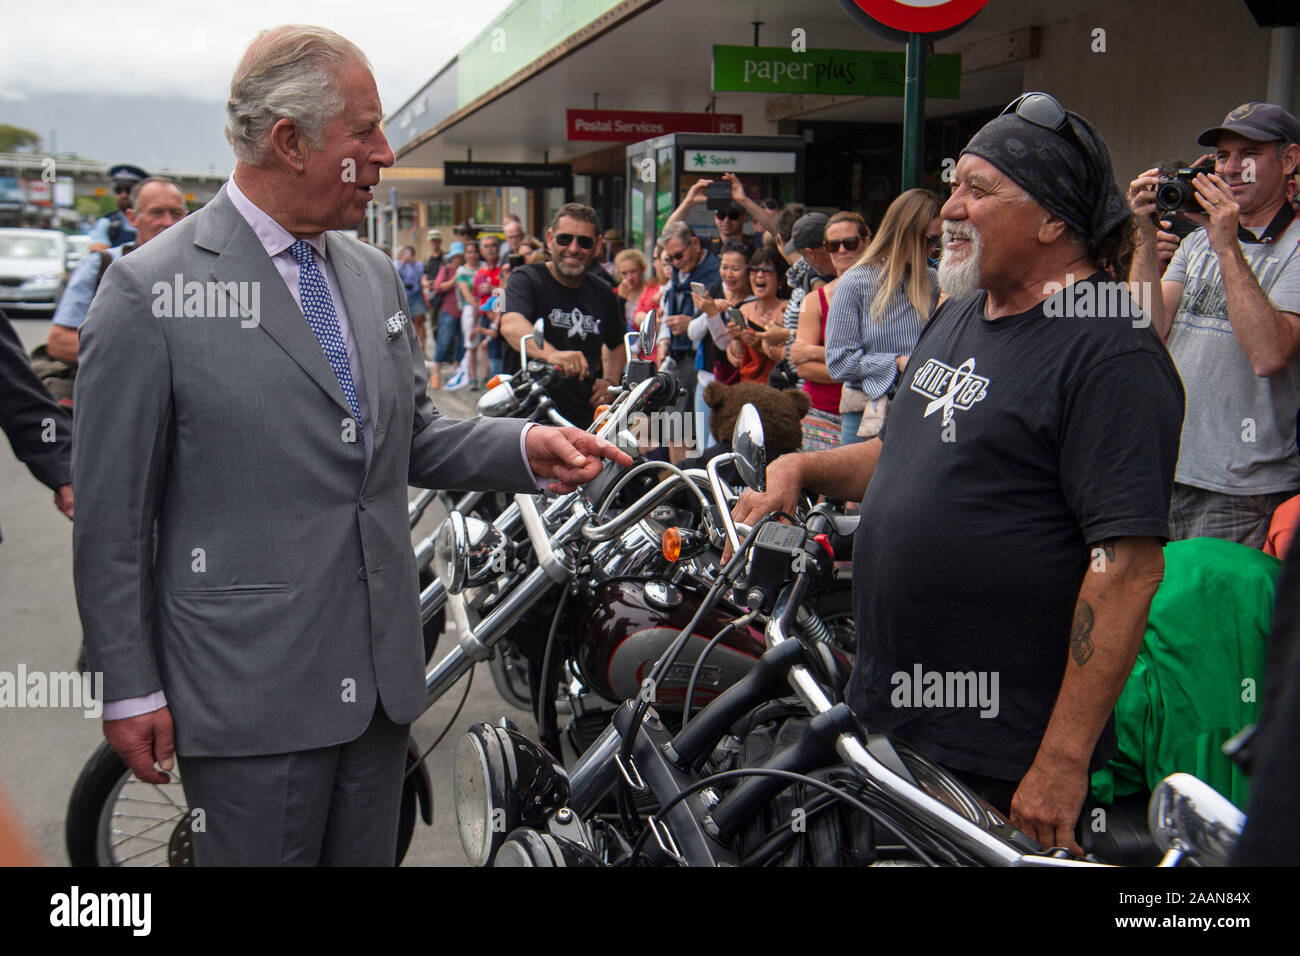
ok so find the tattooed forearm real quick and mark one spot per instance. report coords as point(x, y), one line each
point(1081, 632)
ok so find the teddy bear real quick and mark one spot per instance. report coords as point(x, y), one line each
point(780, 412)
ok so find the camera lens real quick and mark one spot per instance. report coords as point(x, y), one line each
point(1172, 194)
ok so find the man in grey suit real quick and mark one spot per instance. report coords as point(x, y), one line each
point(251, 407)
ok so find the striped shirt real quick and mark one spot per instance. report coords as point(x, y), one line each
point(860, 352)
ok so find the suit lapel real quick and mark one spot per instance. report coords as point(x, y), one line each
point(241, 258)
point(361, 300)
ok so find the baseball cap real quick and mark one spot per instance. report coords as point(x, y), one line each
point(456, 249)
point(809, 232)
point(1262, 122)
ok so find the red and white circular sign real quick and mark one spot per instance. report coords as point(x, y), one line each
point(920, 16)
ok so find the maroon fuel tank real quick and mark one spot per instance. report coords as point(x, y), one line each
point(630, 622)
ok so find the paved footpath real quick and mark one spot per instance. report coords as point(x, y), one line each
point(42, 751)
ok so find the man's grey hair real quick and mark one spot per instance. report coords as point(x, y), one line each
point(677, 230)
point(287, 72)
point(138, 188)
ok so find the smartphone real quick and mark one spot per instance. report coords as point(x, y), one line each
point(698, 288)
point(735, 315)
point(717, 195)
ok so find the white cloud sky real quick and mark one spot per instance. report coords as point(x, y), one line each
point(149, 46)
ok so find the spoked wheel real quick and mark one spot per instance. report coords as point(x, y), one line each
point(117, 820)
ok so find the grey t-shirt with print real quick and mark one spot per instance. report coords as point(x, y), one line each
point(1239, 431)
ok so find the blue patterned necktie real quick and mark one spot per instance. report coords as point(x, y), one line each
point(318, 307)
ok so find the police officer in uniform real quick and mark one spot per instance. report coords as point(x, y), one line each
point(114, 229)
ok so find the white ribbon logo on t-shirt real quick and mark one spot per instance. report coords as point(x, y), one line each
point(579, 325)
point(949, 388)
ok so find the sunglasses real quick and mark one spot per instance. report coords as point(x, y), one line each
point(566, 239)
point(729, 214)
point(768, 269)
point(1044, 110)
point(122, 190)
point(850, 245)
point(677, 256)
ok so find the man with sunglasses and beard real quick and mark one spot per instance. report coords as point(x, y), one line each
point(1015, 505)
point(583, 317)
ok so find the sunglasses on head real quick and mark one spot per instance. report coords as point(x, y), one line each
point(850, 244)
point(1044, 110)
point(566, 239)
point(729, 214)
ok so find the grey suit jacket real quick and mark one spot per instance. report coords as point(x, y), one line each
point(231, 547)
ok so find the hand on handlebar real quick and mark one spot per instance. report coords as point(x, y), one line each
point(570, 456)
point(573, 364)
point(784, 485)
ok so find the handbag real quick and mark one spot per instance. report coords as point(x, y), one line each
point(783, 375)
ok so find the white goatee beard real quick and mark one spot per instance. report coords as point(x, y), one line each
point(961, 280)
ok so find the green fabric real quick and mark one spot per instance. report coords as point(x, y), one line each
point(1199, 676)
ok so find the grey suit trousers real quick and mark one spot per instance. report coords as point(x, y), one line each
point(332, 806)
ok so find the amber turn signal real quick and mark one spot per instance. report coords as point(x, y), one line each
point(671, 544)
point(494, 381)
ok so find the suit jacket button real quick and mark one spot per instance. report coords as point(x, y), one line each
point(361, 503)
point(361, 572)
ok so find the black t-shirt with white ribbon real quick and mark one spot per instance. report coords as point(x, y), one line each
point(1011, 447)
point(581, 319)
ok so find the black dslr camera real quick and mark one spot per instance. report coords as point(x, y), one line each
point(1175, 193)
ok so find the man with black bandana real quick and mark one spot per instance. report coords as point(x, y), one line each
point(1229, 306)
point(1015, 505)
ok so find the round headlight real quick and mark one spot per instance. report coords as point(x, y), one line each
point(503, 781)
point(451, 551)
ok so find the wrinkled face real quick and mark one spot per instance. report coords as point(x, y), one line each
point(491, 247)
point(566, 243)
point(844, 235)
point(161, 205)
point(990, 230)
point(684, 255)
point(514, 233)
point(338, 179)
point(630, 273)
point(1253, 171)
point(732, 270)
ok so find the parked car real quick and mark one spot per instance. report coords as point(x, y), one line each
point(33, 270)
point(78, 246)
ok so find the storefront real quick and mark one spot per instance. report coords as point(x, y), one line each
point(660, 171)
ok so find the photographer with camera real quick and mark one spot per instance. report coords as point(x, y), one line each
point(1229, 310)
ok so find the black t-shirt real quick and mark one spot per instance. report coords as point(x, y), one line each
point(715, 244)
point(581, 320)
point(432, 265)
point(1010, 448)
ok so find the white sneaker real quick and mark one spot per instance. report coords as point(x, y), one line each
point(457, 381)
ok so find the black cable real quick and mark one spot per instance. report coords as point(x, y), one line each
point(545, 687)
point(695, 671)
point(780, 774)
point(451, 723)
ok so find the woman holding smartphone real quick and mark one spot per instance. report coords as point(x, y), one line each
point(729, 292)
point(758, 344)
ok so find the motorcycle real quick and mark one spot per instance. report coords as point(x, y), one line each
point(612, 617)
point(758, 777)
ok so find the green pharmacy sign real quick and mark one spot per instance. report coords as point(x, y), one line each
point(778, 69)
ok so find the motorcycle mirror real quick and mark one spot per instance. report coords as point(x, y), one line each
point(537, 337)
point(1188, 816)
point(747, 443)
point(497, 401)
point(649, 333)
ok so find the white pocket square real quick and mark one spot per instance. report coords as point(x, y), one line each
point(395, 324)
